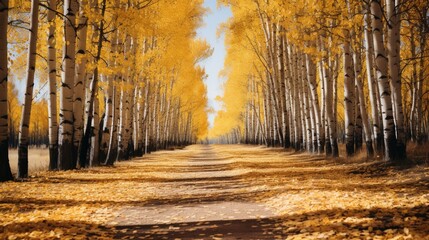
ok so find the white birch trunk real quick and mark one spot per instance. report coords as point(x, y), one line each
point(113, 137)
point(139, 128)
point(331, 147)
point(28, 98)
point(121, 127)
point(79, 81)
point(362, 106)
point(308, 117)
point(106, 139)
point(323, 118)
point(419, 106)
point(334, 68)
point(349, 99)
point(394, 43)
point(414, 90)
point(52, 100)
point(146, 119)
point(5, 172)
point(95, 136)
point(383, 82)
point(113, 141)
point(128, 95)
point(372, 84)
point(108, 119)
point(297, 105)
point(88, 153)
point(65, 158)
point(311, 77)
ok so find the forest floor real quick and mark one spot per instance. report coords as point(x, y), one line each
point(221, 192)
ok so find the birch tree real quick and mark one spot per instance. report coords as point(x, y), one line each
point(79, 84)
point(361, 99)
point(398, 153)
point(52, 78)
point(372, 85)
point(5, 173)
point(26, 109)
point(87, 154)
point(349, 99)
point(383, 81)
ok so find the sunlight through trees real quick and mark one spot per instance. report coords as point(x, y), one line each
point(121, 78)
point(310, 76)
point(117, 79)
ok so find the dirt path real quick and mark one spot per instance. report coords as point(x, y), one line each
point(221, 192)
point(205, 196)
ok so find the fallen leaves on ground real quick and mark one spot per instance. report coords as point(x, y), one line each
point(309, 196)
point(320, 198)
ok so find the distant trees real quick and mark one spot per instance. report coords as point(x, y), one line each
point(284, 65)
point(129, 80)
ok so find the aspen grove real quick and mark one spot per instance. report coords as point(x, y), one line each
point(310, 75)
point(214, 119)
point(118, 79)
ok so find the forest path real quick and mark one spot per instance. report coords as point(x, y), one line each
point(221, 192)
point(203, 196)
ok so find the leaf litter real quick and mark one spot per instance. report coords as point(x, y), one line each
point(311, 197)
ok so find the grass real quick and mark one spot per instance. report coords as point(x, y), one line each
point(38, 160)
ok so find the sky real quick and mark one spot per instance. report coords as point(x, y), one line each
point(214, 64)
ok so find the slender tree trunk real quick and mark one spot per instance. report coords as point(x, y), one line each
point(125, 107)
point(79, 81)
point(362, 106)
point(108, 119)
point(5, 173)
point(140, 112)
point(323, 115)
point(65, 157)
point(311, 77)
point(154, 119)
point(52, 100)
point(113, 142)
point(95, 137)
point(299, 126)
point(372, 85)
point(414, 88)
point(393, 43)
point(334, 65)
point(349, 98)
point(130, 118)
point(422, 73)
point(93, 105)
point(358, 121)
point(283, 98)
point(383, 82)
point(281, 90)
point(331, 148)
point(147, 117)
point(307, 112)
point(168, 118)
point(26, 109)
point(109, 112)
